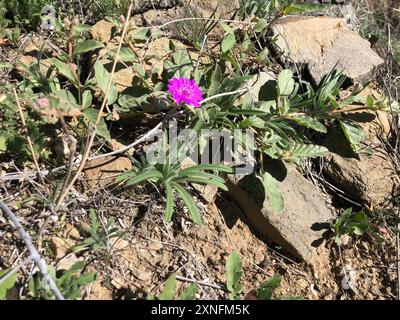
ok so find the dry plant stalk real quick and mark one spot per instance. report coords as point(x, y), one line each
point(35, 256)
point(27, 135)
point(91, 138)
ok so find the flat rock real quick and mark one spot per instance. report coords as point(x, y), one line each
point(321, 43)
point(102, 31)
point(299, 227)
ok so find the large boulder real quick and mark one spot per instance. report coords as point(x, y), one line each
point(321, 43)
point(299, 228)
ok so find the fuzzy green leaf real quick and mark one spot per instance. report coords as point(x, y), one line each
point(265, 291)
point(286, 83)
point(228, 42)
point(91, 114)
point(272, 191)
point(103, 77)
point(353, 132)
point(68, 70)
point(87, 45)
point(189, 202)
point(169, 210)
point(233, 275)
point(310, 122)
point(144, 176)
point(7, 284)
point(169, 288)
point(189, 293)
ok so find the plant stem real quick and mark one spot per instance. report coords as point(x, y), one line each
point(88, 147)
point(27, 135)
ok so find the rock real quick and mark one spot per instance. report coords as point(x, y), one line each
point(99, 292)
point(32, 54)
point(102, 31)
point(262, 87)
point(371, 180)
point(322, 42)
point(141, 274)
point(103, 172)
point(60, 246)
point(71, 232)
point(299, 228)
point(67, 262)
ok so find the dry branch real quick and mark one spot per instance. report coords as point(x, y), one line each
point(35, 256)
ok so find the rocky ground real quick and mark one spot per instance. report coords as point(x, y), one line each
point(298, 243)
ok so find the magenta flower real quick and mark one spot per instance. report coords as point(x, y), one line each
point(185, 90)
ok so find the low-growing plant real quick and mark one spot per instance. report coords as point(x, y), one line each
point(98, 234)
point(234, 273)
point(174, 179)
point(71, 282)
point(168, 292)
point(6, 284)
point(351, 223)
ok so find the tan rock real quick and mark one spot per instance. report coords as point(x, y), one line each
point(102, 31)
point(103, 172)
point(99, 292)
point(322, 42)
point(67, 262)
point(299, 227)
point(60, 246)
point(71, 232)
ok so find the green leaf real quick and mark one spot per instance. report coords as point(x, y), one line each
point(3, 143)
point(272, 191)
point(189, 293)
point(310, 122)
point(261, 25)
point(201, 174)
point(233, 275)
point(91, 115)
point(214, 167)
point(353, 132)
point(144, 176)
point(189, 202)
point(125, 54)
point(265, 291)
point(86, 46)
point(303, 7)
point(307, 150)
point(87, 99)
point(206, 181)
point(8, 284)
point(103, 78)
point(286, 83)
point(68, 70)
point(228, 42)
point(170, 202)
point(169, 288)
